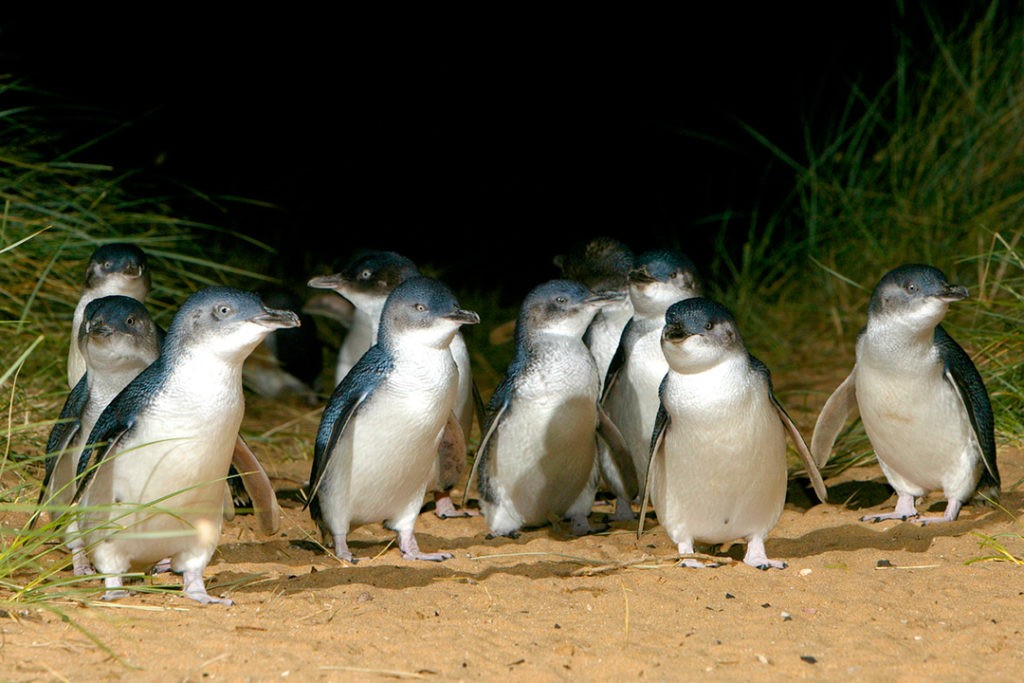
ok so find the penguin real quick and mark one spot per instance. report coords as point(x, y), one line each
point(603, 264)
point(536, 463)
point(658, 279)
point(366, 282)
point(122, 268)
point(377, 443)
point(117, 340)
point(115, 268)
point(718, 469)
point(923, 403)
point(153, 468)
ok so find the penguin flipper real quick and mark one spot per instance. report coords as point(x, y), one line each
point(962, 374)
point(832, 417)
point(661, 425)
point(496, 411)
point(801, 448)
point(609, 432)
point(617, 361)
point(65, 429)
point(480, 410)
point(257, 485)
point(335, 419)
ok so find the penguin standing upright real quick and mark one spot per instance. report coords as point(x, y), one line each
point(153, 469)
point(377, 442)
point(922, 401)
point(117, 340)
point(718, 468)
point(537, 461)
point(366, 281)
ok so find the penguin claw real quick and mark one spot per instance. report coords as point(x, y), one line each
point(514, 534)
point(110, 596)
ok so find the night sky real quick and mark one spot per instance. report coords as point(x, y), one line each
point(497, 139)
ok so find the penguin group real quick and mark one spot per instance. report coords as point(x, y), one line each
point(625, 379)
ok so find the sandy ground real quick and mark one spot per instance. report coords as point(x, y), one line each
point(858, 601)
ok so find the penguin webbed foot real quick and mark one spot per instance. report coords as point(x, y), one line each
point(757, 558)
point(115, 589)
point(623, 512)
point(161, 567)
point(581, 527)
point(411, 549)
point(194, 588)
point(950, 515)
point(81, 564)
point(514, 534)
point(444, 508)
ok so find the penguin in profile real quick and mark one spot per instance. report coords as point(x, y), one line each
point(366, 282)
point(117, 340)
point(377, 443)
point(122, 268)
point(658, 279)
point(921, 400)
point(718, 469)
point(537, 461)
point(153, 468)
point(117, 268)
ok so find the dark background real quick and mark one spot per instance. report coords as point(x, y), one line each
point(480, 144)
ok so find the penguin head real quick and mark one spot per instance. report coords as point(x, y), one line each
point(563, 307)
point(423, 310)
point(224, 322)
point(660, 278)
point(698, 334)
point(368, 279)
point(117, 332)
point(602, 264)
point(118, 268)
point(915, 295)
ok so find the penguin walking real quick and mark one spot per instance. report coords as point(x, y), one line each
point(536, 462)
point(923, 403)
point(718, 466)
point(152, 471)
point(117, 340)
point(603, 264)
point(122, 268)
point(658, 279)
point(366, 282)
point(377, 443)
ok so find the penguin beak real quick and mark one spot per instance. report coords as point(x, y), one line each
point(953, 293)
point(675, 333)
point(640, 276)
point(605, 297)
point(98, 328)
point(275, 319)
point(463, 317)
point(326, 282)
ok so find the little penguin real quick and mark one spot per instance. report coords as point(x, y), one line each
point(377, 443)
point(921, 400)
point(152, 471)
point(115, 268)
point(536, 462)
point(366, 282)
point(718, 468)
point(658, 279)
point(117, 340)
point(122, 268)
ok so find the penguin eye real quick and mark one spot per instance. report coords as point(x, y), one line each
point(708, 325)
point(222, 311)
point(420, 307)
point(674, 275)
point(108, 265)
point(561, 299)
point(130, 320)
point(366, 274)
point(911, 287)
